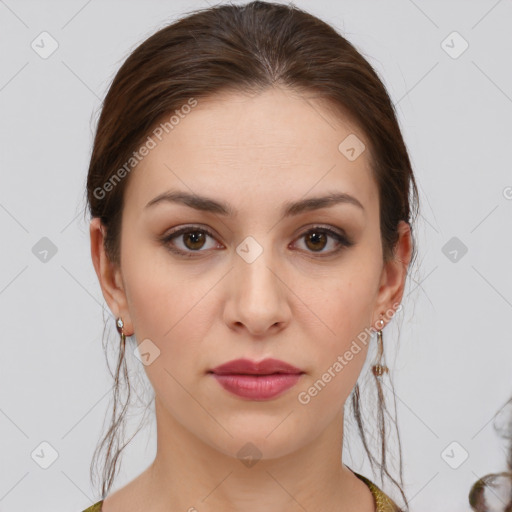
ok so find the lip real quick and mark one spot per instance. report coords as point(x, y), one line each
point(247, 367)
point(254, 380)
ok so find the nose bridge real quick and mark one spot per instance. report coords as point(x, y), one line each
point(258, 293)
point(253, 265)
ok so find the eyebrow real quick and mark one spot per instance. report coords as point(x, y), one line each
point(291, 208)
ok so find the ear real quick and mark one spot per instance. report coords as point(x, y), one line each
point(109, 276)
point(394, 274)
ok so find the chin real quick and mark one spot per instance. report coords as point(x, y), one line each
point(255, 443)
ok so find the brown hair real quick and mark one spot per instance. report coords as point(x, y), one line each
point(247, 49)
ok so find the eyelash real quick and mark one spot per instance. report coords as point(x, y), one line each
point(341, 239)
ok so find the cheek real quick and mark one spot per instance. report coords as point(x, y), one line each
point(337, 357)
point(167, 309)
point(156, 291)
point(341, 338)
point(345, 304)
point(170, 307)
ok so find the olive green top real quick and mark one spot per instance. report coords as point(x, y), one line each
point(382, 502)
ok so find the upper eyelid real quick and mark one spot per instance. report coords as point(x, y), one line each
point(181, 230)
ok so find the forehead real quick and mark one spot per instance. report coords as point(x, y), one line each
point(276, 144)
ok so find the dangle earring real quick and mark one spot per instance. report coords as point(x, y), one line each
point(379, 369)
point(120, 325)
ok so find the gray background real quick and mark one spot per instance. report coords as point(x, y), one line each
point(452, 370)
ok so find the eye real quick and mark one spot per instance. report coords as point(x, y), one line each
point(193, 239)
point(188, 240)
point(317, 238)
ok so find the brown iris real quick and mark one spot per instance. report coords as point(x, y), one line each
point(197, 239)
point(316, 238)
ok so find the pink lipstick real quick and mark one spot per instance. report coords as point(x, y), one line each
point(253, 380)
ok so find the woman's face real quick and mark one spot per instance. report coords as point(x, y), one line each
point(270, 274)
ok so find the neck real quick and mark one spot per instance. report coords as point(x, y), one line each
point(188, 474)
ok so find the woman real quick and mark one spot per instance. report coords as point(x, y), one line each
point(249, 190)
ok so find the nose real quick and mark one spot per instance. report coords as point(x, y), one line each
point(258, 296)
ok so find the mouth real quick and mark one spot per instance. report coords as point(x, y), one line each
point(267, 366)
point(252, 380)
